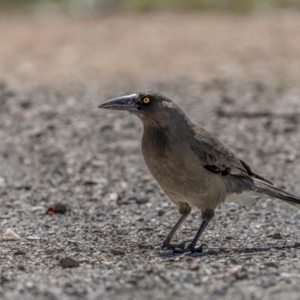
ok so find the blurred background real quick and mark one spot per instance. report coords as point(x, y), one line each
point(81, 6)
point(56, 40)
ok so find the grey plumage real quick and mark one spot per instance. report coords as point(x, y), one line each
point(192, 167)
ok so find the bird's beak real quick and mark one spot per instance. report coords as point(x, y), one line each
point(121, 103)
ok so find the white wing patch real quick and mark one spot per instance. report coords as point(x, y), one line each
point(247, 199)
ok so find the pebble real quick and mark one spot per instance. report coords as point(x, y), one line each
point(114, 196)
point(212, 252)
point(117, 252)
point(10, 235)
point(271, 243)
point(33, 238)
point(69, 262)
point(241, 274)
point(57, 208)
point(271, 264)
point(29, 284)
point(37, 208)
point(25, 103)
point(194, 266)
point(2, 182)
point(141, 200)
point(277, 236)
point(161, 212)
point(19, 252)
point(72, 242)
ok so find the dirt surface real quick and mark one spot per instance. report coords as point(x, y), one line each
point(236, 76)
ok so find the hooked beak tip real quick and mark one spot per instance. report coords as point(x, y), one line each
point(120, 103)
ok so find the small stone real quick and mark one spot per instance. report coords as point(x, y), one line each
point(291, 157)
point(21, 268)
point(25, 103)
point(24, 187)
point(212, 252)
point(2, 182)
point(69, 262)
point(57, 208)
point(72, 242)
point(241, 274)
point(117, 252)
point(10, 235)
point(95, 181)
point(161, 212)
point(194, 266)
point(33, 238)
point(29, 284)
point(141, 200)
point(277, 236)
point(3, 279)
point(37, 208)
point(19, 252)
point(91, 182)
point(114, 197)
point(271, 264)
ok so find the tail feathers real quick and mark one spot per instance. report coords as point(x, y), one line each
point(265, 188)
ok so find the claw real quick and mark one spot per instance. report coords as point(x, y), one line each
point(192, 249)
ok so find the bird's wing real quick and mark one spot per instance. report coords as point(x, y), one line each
point(217, 158)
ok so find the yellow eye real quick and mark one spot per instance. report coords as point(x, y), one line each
point(146, 100)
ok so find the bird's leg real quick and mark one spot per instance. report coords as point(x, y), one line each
point(184, 210)
point(166, 242)
point(207, 215)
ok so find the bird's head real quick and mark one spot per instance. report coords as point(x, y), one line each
point(150, 107)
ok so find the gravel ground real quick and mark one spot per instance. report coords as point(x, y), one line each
point(57, 147)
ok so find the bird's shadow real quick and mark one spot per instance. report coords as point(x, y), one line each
point(221, 251)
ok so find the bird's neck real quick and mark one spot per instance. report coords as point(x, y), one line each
point(155, 140)
point(164, 132)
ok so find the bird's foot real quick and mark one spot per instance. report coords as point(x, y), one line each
point(193, 249)
point(165, 244)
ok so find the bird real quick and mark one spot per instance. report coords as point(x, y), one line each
point(193, 168)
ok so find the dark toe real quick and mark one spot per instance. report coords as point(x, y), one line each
point(191, 248)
